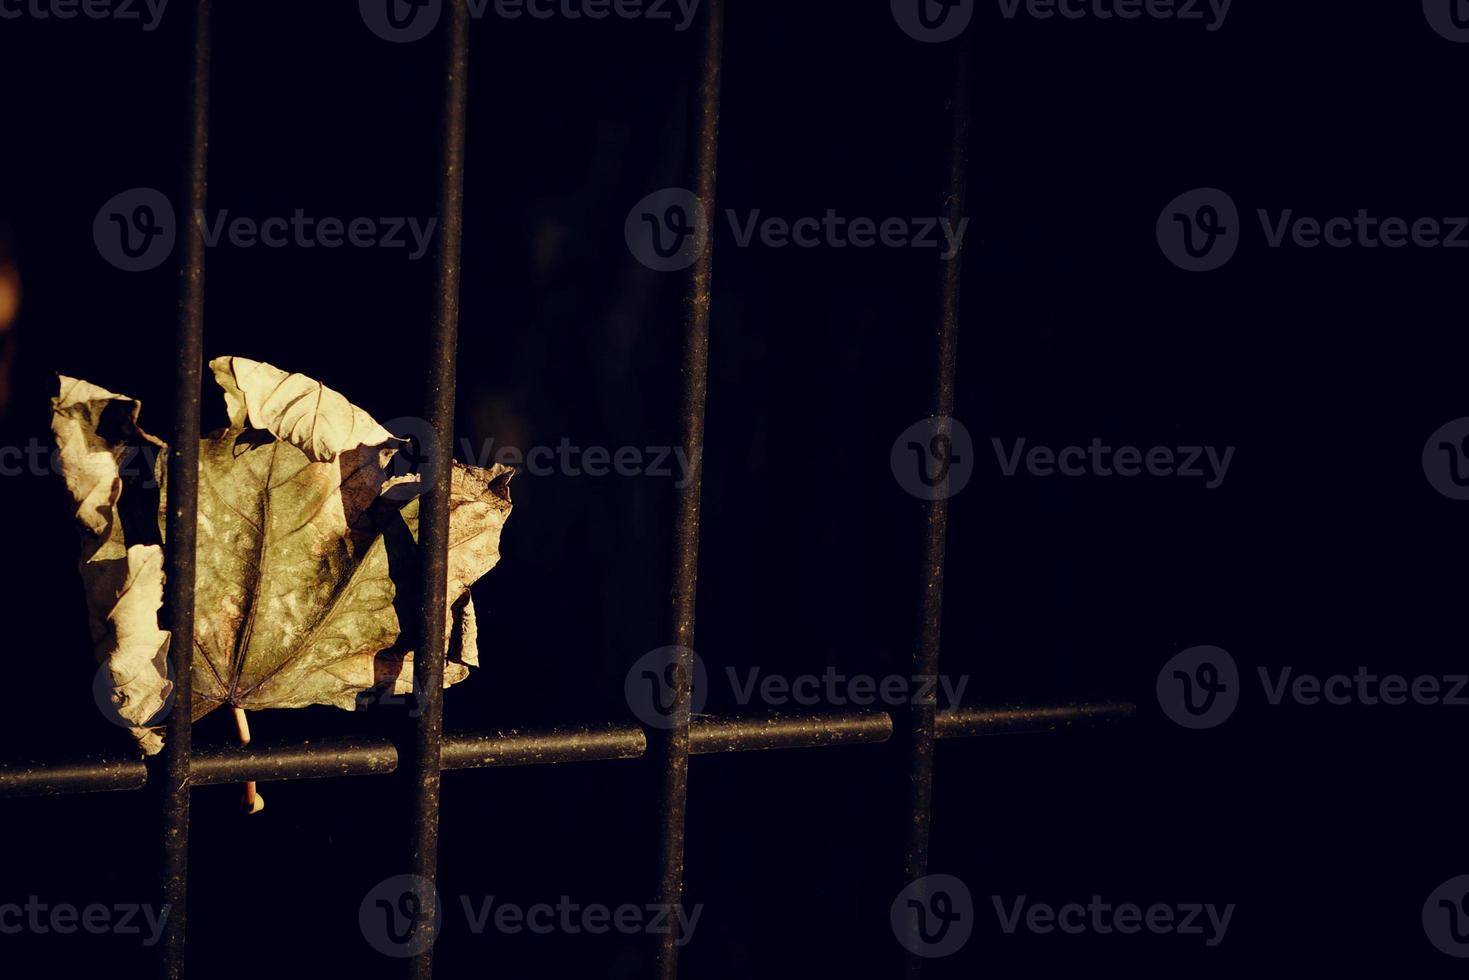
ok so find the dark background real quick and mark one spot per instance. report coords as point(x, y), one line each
point(1325, 549)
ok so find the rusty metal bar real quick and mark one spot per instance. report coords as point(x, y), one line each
point(671, 745)
point(919, 722)
point(333, 757)
point(181, 531)
point(433, 515)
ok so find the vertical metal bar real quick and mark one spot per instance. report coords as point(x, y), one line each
point(433, 524)
point(182, 518)
point(671, 745)
point(920, 728)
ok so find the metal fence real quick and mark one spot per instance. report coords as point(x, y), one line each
point(181, 767)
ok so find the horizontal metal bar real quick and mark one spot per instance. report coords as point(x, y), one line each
point(328, 757)
point(539, 748)
point(711, 736)
point(1018, 718)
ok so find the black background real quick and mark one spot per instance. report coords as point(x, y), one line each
point(1324, 549)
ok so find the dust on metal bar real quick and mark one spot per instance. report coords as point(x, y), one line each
point(920, 724)
point(672, 743)
point(333, 757)
point(181, 531)
point(716, 736)
point(586, 743)
point(433, 514)
point(1030, 719)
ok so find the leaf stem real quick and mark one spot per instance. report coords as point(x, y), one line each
point(254, 802)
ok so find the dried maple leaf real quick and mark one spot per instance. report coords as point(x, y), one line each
point(306, 559)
